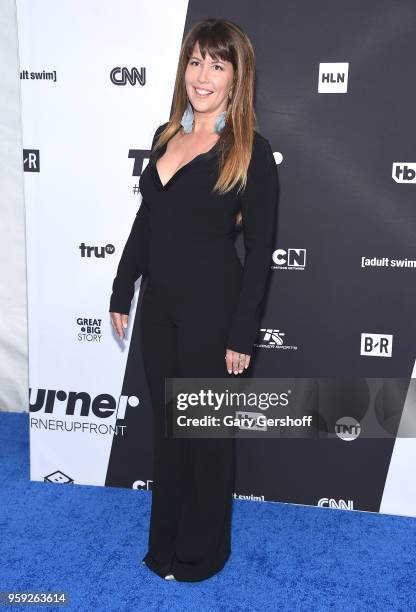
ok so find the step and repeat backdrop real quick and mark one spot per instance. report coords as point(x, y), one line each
point(335, 101)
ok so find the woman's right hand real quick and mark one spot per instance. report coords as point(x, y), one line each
point(119, 322)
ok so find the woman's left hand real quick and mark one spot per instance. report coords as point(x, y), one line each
point(236, 362)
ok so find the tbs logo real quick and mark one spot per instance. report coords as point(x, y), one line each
point(404, 172)
point(376, 345)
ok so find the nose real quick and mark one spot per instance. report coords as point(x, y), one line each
point(203, 73)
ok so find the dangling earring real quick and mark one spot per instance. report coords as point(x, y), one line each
point(187, 120)
point(220, 122)
point(188, 117)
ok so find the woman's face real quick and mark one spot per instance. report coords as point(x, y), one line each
point(205, 76)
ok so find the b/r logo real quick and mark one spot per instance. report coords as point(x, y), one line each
point(376, 345)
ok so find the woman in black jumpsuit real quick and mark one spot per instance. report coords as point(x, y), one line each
point(199, 301)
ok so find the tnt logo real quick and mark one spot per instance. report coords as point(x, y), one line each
point(376, 345)
point(272, 336)
point(404, 172)
point(333, 77)
point(347, 428)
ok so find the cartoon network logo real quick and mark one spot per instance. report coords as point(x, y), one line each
point(289, 259)
point(333, 77)
point(142, 484)
point(80, 403)
point(341, 504)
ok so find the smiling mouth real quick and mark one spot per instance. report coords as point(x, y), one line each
point(202, 93)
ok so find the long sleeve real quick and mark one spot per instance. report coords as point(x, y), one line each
point(133, 261)
point(259, 210)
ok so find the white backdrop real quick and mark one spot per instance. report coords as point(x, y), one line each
point(83, 126)
point(13, 298)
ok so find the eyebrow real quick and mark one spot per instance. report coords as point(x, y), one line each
point(201, 60)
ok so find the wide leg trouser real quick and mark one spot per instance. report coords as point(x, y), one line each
point(193, 478)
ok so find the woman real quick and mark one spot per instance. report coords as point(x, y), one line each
point(209, 170)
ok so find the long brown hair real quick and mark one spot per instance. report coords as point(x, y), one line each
point(222, 39)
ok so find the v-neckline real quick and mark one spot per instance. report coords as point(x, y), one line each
point(181, 169)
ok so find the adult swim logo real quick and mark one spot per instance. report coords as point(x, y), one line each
point(386, 262)
point(404, 172)
point(89, 329)
point(96, 251)
point(333, 77)
point(122, 75)
point(289, 259)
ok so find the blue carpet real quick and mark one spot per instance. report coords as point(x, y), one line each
point(88, 541)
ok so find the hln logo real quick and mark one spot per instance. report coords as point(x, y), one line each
point(376, 345)
point(404, 172)
point(333, 77)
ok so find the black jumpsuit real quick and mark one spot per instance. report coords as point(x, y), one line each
point(199, 301)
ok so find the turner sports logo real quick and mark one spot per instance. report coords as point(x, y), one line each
point(80, 404)
point(289, 259)
point(273, 339)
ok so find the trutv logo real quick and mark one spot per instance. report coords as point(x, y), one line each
point(80, 403)
point(87, 250)
point(404, 172)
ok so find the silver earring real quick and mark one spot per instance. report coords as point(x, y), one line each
point(220, 122)
point(187, 120)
